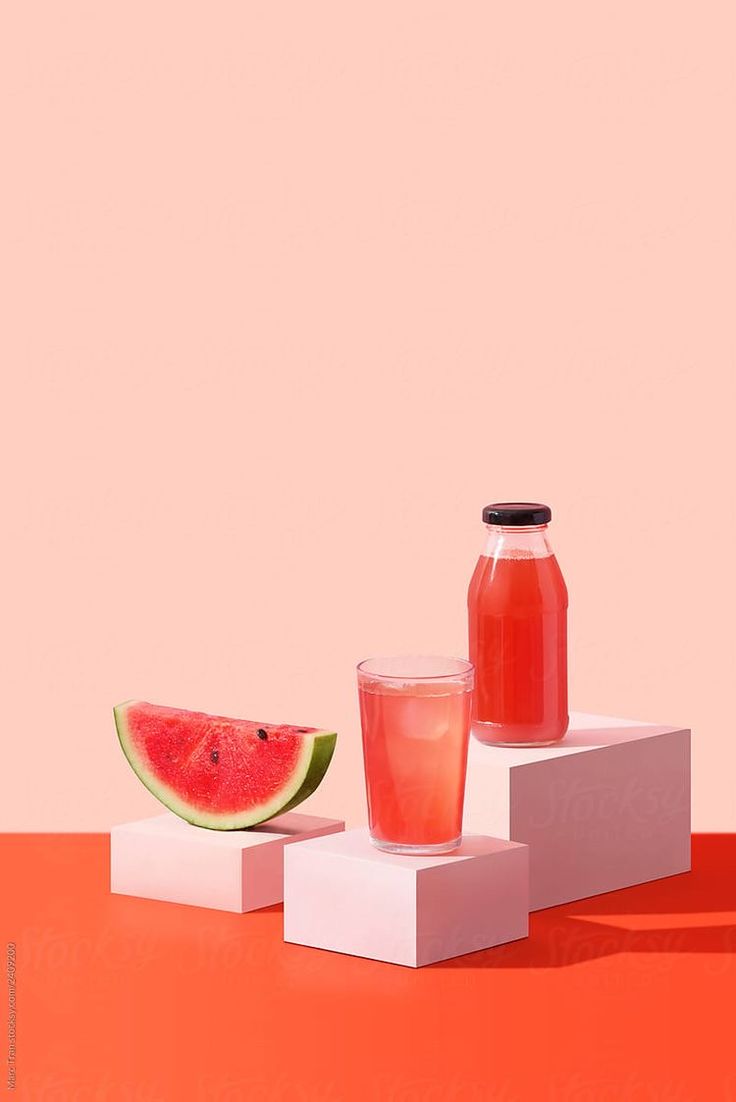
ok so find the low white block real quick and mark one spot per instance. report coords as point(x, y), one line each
point(607, 808)
point(343, 894)
point(230, 870)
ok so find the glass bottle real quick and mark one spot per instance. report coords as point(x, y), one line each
point(517, 617)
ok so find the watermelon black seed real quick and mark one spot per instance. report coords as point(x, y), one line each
point(261, 733)
point(215, 756)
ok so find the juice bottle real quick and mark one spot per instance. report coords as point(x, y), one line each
point(517, 616)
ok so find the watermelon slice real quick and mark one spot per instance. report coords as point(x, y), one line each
point(221, 773)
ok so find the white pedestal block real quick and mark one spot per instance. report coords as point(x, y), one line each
point(607, 808)
point(230, 870)
point(341, 893)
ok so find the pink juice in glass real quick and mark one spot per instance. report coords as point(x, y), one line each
point(415, 716)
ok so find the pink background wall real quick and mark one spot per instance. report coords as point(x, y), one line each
point(291, 291)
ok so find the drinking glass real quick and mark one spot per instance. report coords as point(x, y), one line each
point(415, 715)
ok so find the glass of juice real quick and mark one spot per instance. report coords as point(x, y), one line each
point(517, 618)
point(415, 715)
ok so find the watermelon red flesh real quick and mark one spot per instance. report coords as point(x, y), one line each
point(219, 772)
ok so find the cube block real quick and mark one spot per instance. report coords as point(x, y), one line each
point(607, 808)
point(169, 859)
point(343, 894)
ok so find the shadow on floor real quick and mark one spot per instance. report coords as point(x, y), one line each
point(691, 913)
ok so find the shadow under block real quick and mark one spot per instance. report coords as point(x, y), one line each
point(169, 859)
point(607, 808)
point(343, 894)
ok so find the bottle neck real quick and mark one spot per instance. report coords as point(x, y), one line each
point(517, 543)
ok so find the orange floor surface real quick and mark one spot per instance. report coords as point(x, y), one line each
point(630, 995)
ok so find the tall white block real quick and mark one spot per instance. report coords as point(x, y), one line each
point(607, 808)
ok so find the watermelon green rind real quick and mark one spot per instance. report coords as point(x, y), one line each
point(318, 748)
point(324, 748)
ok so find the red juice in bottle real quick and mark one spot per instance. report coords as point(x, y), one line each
point(517, 617)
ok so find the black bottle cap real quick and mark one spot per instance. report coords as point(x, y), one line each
point(517, 514)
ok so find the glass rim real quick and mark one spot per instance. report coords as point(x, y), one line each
point(465, 667)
